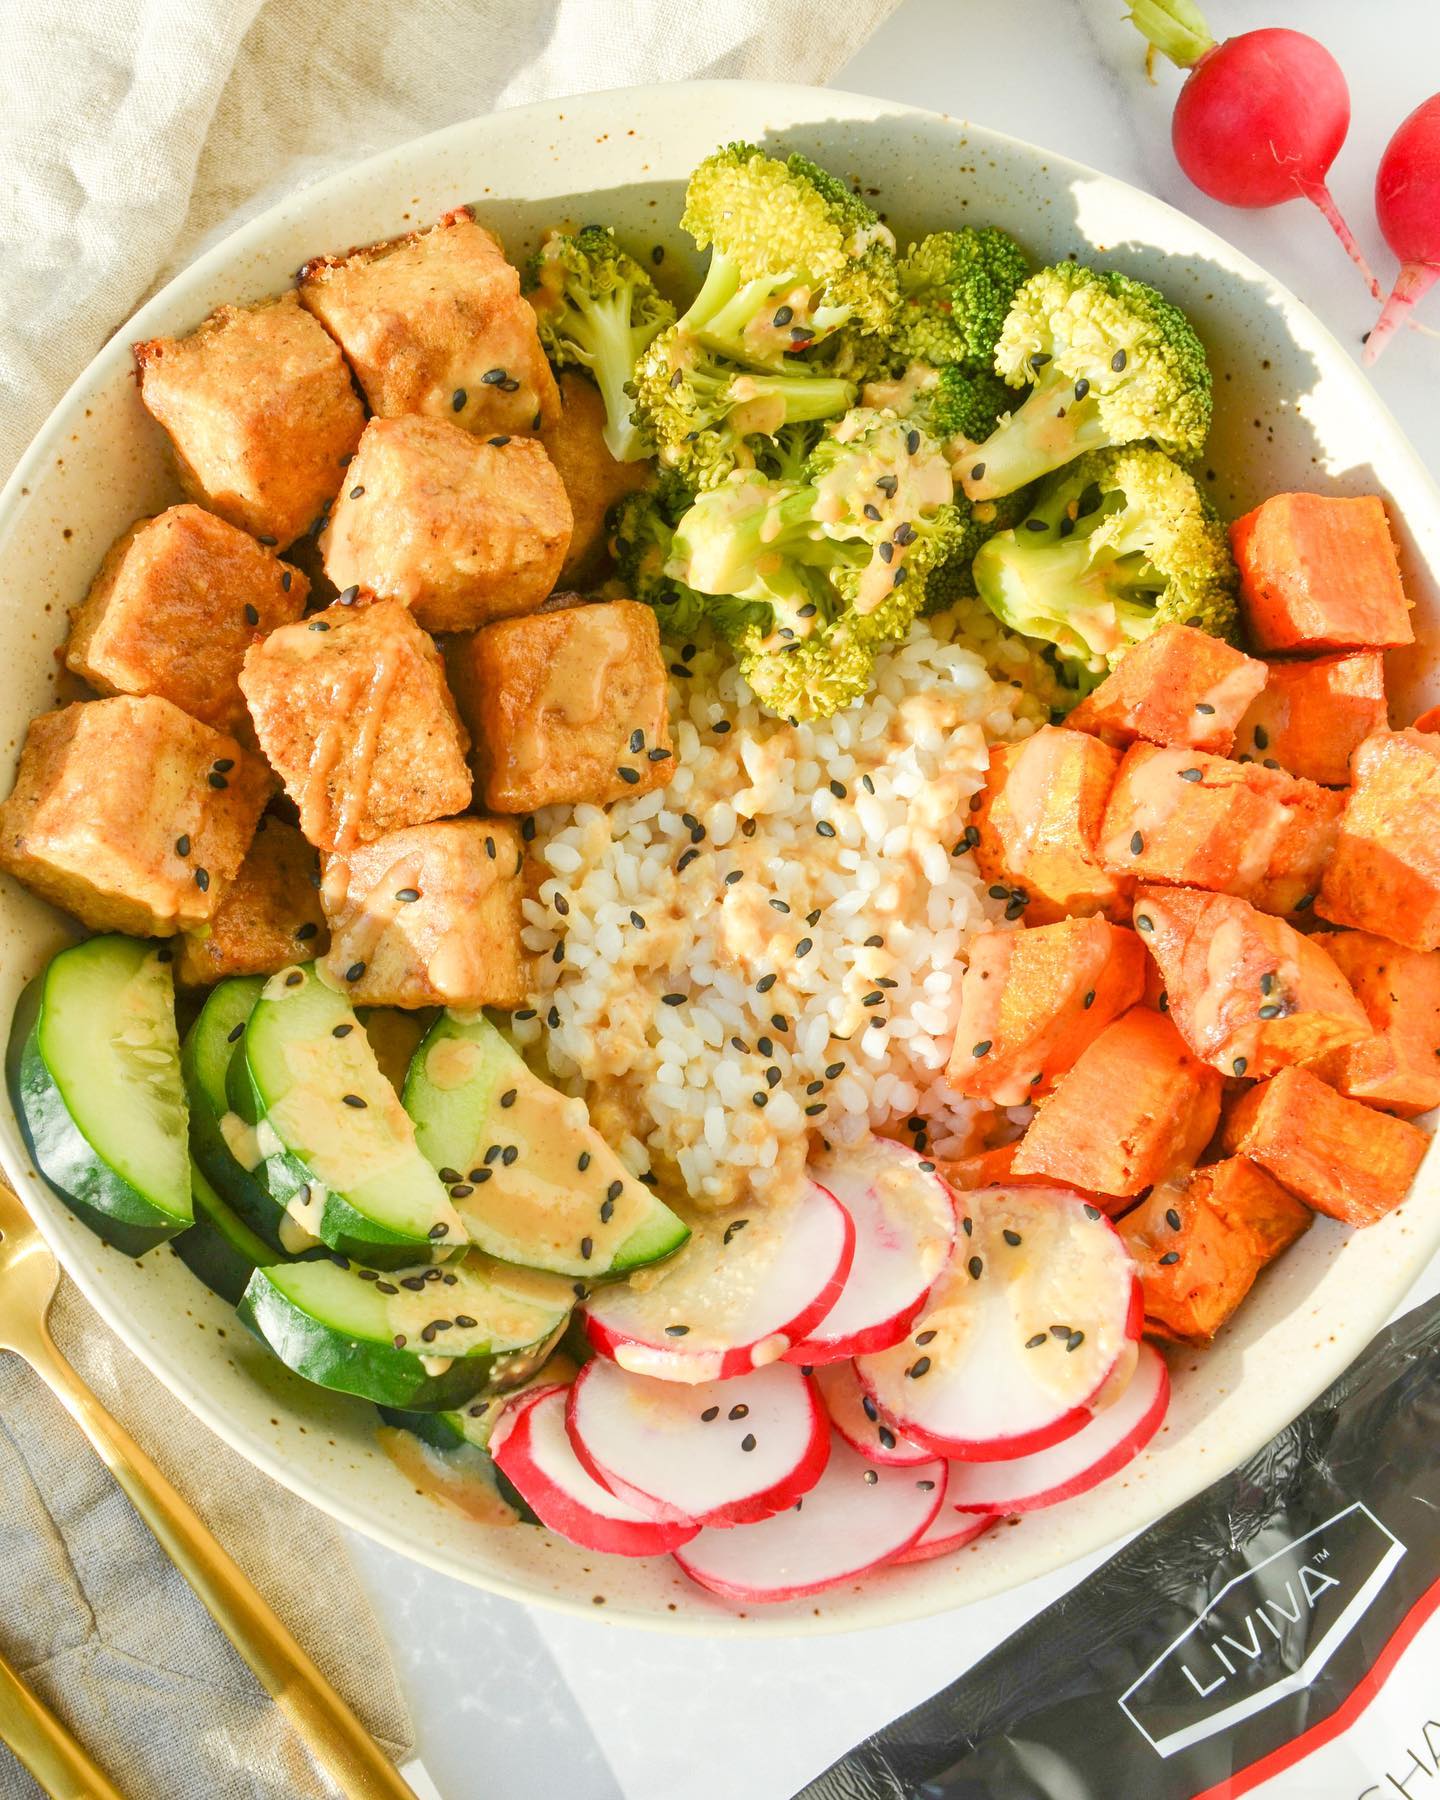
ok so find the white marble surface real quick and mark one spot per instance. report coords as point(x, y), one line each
point(514, 1704)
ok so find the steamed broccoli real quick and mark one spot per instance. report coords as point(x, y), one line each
point(980, 520)
point(947, 403)
point(1111, 362)
point(955, 289)
point(597, 310)
point(1118, 544)
point(642, 535)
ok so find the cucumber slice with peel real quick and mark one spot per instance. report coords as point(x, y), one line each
point(472, 1423)
point(220, 1248)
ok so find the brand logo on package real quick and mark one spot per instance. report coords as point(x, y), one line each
point(1266, 1634)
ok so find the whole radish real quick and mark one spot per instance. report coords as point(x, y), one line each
point(1261, 117)
point(1407, 205)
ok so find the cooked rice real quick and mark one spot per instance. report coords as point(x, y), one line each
point(790, 1025)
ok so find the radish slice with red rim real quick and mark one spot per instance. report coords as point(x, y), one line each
point(1033, 1324)
point(947, 1531)
point(532, 1449)
point(741, 1292)
point(860, 1421)
point(721, 1453)
point(854, 1518)
point(1112, 1438)
point(904, 1216)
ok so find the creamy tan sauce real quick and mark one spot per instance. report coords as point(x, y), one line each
point(459, 1478)
point(577, 683)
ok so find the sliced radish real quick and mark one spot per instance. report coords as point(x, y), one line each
point(860, 1421)
point(854, 1518)
point(532, 1448)
point(741, 1292)
point(713, 1454)
point(1033, 1324)
point(1106, 1444)
point(945, 1532)
point(904, 1218)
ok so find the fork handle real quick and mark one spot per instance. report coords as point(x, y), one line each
point(58, 1761)
point(325, 1724)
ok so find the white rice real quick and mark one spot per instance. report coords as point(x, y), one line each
point(712, 1094)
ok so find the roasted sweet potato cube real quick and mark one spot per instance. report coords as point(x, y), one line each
point(131, 814)
point(261, 414)
point(429, 916)
point(1178, 686)
point(565, 706)
point(461, 529)
point(594, 481)
point(996, 1168)
point(1339, 1156)
point(1385, 874)
point(1039, 818)
point(1245, 990)
point(1398, 1067)
point(1200, 821)
point(268, 917)
point(1429, 720)
point(178, 601)
point(352, 711)
point(434, 322)
point(1319, 572)
point(1137, 1105)
point(1313, 715)
point(1200, 1240)
point(1032, 1000)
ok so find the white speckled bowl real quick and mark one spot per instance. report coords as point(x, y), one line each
point(1292, 411)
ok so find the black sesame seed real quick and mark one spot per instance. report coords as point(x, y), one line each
point(764, 984)
point(318, 625)
point(977, 472)
point(587, 1248)
point(202, 880)
point(355, 971)
point(1143, 922)
point(439, 1231)
point(734, 1226)
point(498, 443)
point(217, 781)
point(1240, 1065)
point(1137, 844)
point(875, 999)
point(1304, 903)
point(659, 755)
point(493, 377)
point(1191, 775)
point(1082, 388)
point(182, 845)
point(399, 1340)
point(1091, 1212)
point(1117, 361)
point(627, 774)
point(748, 1441)
point(1074, 1341)
point(983, 1048)
point(760, 1098)
point(1204, 706)
point(804, 947)
point(783, 315)
point(834, 1070)
point(1012, 1238)
point(508, 1097)
point(552, 1018)
point(354, 1100)
point(1272, 1011)
point(872, 511)
point(825, 828)
point(672, 999)
point(1170, 1256)
point(1034, 1343)
point(341, 1031)
point(584, 1162)
point(1172, 1219)
point(779, 1021)
point(527, 828)
point(710, 1412)
point(607, 1211)
point(509, 1155)
point(765, 1046)
point(887, 1437)
point(976, 1268)
point(683, 862)
point(920, 1366)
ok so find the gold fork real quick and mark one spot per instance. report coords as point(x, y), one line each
point(334, 1736)
point(56, 1759)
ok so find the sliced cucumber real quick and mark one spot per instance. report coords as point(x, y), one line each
point(531, 1178)
point(421, 1339)
point(338, 1149)
point(473, 1422)
point(94, 1072)
point(219, 1247)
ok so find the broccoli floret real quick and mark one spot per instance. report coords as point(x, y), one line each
point(642, 535)
point(1111, 362)
point(956, 288)
point(811, 678)
point(1115, 546)
point(597, 310)
point(947, 403)
point(786, 456)
point(980, 520)
point(796, 258)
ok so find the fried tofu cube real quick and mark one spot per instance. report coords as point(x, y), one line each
point(566, 706)
point(461, 529)
point(1236, 828)
point(268, 917)
point(1245, 990)
point(1385, 874)
point(434, 323)
point(1397, 1068)
point(429, 916)
point(352, 711)
point(594, 481)
point(1178, 686)
point(1313, 716)
point(261, 414)
point(1319, 572)
point(1039, 822)
point(1338, 1156)
point(1137, 1105)
point(178, 601)
point(130, 814)
point(1200, 1240)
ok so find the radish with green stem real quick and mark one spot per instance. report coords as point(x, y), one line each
point(1407, 205)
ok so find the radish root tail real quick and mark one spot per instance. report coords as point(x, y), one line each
point(1319, 194)
point(1415, 279)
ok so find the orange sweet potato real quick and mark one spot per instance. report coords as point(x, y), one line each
point(1137, 1105)
point(1200, 1240)
point(1318, 572)
point(1178, 686)
point(996, 1168)
point(1429, 720)
point(1032, 1000)
point(1200, 821)
point(1246, 991)
point(1385, 873)
point(1339, 1157)
point(1313, 715)
point(1038, 819)
point(1398, 1068)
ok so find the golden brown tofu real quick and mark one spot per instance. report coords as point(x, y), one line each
point(434, 322)
point(566, 706)
point(178, 601)
point(429, 916)
point(352, 711)
point(130, 814)
point(593, 479)
point(461, 529)
point(261, 412)
point(268, 917)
